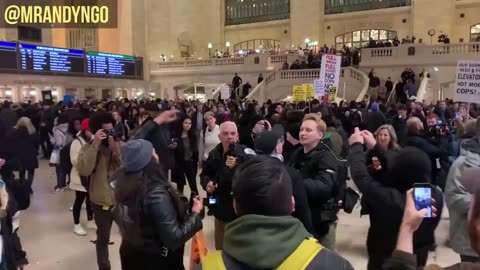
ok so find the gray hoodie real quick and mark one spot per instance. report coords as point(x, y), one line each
point(458, 198)
point(60, 136)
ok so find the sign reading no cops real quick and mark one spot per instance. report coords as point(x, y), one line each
point(467, 88)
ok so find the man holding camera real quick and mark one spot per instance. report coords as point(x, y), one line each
point(99, 159)
point(217, 175)
point(433, 142)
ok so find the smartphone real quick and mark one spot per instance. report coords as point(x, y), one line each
point(439, 122)
point(457, 115)
point(422, 194)
point(212, 201)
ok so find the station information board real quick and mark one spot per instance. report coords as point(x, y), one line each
point(8, 56)
point(36, 58)
point(111, 65)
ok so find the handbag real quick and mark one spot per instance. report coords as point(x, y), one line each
point(55, 157)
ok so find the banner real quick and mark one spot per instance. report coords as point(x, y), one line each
point(309, 93)
point(468, 82)
point(330, 72)
point(318, 86)
point(299, 93)
point(67, 99)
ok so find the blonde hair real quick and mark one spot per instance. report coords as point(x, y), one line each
point(393, 136)
point(317, 119)
point(26, 123)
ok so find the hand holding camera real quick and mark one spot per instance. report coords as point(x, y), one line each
point(100, 135)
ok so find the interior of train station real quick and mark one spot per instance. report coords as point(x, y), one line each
point(191, 49)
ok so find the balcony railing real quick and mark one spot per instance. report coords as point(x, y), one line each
point(345, 6)
point(420, 54)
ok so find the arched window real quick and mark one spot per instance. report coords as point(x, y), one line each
point(344, 6)
point(475, 33)
point(360, 38)
point(250, 11)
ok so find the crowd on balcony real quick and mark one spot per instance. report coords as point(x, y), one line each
point(313, 58)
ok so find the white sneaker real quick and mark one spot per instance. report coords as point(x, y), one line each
point(78, 230)
point(91, 225)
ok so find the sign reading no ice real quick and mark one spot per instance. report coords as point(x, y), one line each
point(468, 82)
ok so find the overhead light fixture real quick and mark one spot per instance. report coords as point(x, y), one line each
point(307, 40)
point(33, 93)
point(210, 45)
point(227, 44)
point(435, 68)
point(55, 93)
point(8, 93)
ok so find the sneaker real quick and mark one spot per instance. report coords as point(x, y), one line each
point(79, 230)
point(91, 225)
point(57, 190)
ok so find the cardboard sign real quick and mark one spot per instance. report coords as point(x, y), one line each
point(299, 93)
point(199, 249)
point(309, 91)
point(318, 86)
point(225, 92)
point(468, 82)
point(332, 94)
point(330, 71)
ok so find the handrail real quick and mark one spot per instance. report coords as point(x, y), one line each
point(217, 91)
point(301, 74)
point(392, 96)
point(422, 89)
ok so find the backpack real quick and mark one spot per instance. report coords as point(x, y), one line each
point(298, 260)
point(65, 161)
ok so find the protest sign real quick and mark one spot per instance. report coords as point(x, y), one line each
point(330, 72)
point(299, 93)
point(467, 88)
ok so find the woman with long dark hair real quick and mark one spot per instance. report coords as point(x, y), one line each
point(152, 217)
point(186, 157)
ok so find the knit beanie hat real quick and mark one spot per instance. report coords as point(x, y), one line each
point(254, 120)
point(410, 166)
point(375, 106)
point(136, 154)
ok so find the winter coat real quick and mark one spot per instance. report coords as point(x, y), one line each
point(75, 181)
point(386, 205)
point(214, 169)
point(319, 169)
point(25, 149)
point(459, 199)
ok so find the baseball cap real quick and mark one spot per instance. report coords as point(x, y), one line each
point(266, 141)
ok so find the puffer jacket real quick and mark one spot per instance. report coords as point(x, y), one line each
point(215, 170)
point(59, 136)
point(458, 198)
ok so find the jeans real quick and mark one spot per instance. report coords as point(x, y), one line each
point(45, 144)
point(30, 174)
point(61, 177)
point(77, 206)
point(103, 220)
point(189, 171)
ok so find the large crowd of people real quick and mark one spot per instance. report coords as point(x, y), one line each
point(275, 175)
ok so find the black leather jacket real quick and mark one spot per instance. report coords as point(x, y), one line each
point(161, 223)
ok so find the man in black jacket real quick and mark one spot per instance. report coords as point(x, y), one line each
point(399, 123)
point(47, 118)
point(265, 236)
point(319, 168)
point(270, 143)
point(217, 176)
point(437, 151)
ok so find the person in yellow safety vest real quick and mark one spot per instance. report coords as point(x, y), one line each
point(265, 235)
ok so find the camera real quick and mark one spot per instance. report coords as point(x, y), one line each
point(111, 133)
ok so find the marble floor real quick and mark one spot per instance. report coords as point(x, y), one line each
point(47, 237)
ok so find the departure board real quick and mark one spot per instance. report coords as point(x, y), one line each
point(37, 58)
point(111, 65)
point(8, 56)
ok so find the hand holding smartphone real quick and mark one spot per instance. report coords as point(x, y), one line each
point(422, 194)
